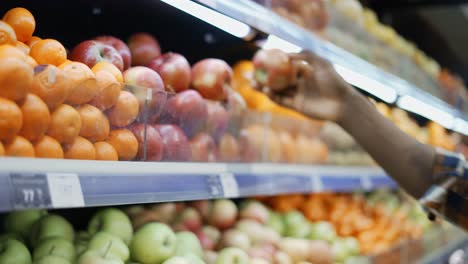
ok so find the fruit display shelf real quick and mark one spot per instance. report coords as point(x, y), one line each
point(43, 183)
point(286, 35)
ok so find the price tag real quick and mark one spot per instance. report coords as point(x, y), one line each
point(65, 190)
point(366, 182)
point(214, 185)
point(229, 183)
point(317, 184)
point(30, 191)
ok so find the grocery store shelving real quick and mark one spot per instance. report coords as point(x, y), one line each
point(74, 183)
point(356, 71)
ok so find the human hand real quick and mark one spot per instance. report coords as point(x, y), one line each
point(319, 91)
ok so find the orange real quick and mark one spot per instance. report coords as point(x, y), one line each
point(124, 142)
point(48, 51)
point(31, 62)
point(16, 77)
point(83, 82)
point(11, 119)
point(51, 85)
point(65, 124)
point(9, 51)
point(105, 151)
point(22, 21)
point(23, 47)
point(48, 147)
point(7, 34)
point(108, 67)
point(94, 124)
point(36, 118)
point(80, 148)
point(2, 149)
point(33, 40)
point(19, 147)
point(108, 90)
point(125, 111)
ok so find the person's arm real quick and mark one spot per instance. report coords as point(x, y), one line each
point(321, 93)
point(407, 160)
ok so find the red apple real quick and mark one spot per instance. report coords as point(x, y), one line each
point(256, 211)
point(190, 219)
point(120, 46)
point(213, 233)
point(217, 121)
point(211, 77)
point(154, 144)
point(235, 238)
point(188, 110)
point(143, 48)
point(223, 214)
point(206, 242)
point(202, 206)
point(176, 145)
point(203, 148)
point(210, 256)
point(273, 68)
point(90, 52)
point(165, 212)
point(248, 150)
point(236, 104)
point(174, 70)
point(228, 149)
point(138, 79)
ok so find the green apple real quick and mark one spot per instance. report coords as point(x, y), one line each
point(114, 221)
point(323, 231)
point(97, 257)
point(15, 236)
point(296, 225)
point(52, 260)
point(51, 225)
point(187, 242)
point(14, 252)
point(177, 260)
point(232, 256)
point(193, 259)
point(103, 241)
point(153, 243)
point(55, 246)
point(275, 222)
point(81, 242)
point(20, 222)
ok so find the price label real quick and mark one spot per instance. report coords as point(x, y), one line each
point(316, 182)
point(229, 184)
point(214, 186)
point(366, 182)
point(65, 190)
point(30, 191)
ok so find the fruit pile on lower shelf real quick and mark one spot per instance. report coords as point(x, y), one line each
point(219, 231)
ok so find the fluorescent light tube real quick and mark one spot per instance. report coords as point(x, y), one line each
point(212, 17)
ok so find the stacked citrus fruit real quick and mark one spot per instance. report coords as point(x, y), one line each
point(51, 107)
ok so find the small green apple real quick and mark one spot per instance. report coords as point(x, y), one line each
point(51, 225)
point(97, 257)
point(55, 246)
point(193, 259)
point(232, 255)
point(14, 252)
point(114, 221)
point(15, 236)
point(187, 242)
point(296, 225)
point(153, 243)
point(20, 222)
point(276, 223)
point(177, 260)
point(101, 240)
point(323, 231)
point(52, 260)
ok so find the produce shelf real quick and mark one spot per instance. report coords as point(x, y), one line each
point(356, 71)
point(42, 183)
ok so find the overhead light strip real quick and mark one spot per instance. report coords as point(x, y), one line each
point(373, 87)
point(430, 112)
point(223, 22)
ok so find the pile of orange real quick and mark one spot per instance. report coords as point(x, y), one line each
point(372, 225)
point(51, 107)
